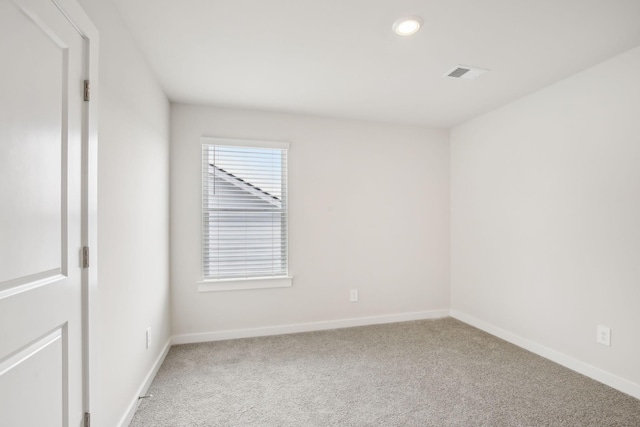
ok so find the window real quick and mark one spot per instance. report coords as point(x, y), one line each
point(244, 210)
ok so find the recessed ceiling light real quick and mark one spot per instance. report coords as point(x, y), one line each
point(407, 26)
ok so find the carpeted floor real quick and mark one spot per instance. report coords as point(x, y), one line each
point(424, 373)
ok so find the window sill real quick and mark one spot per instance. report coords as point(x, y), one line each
point(244, 284)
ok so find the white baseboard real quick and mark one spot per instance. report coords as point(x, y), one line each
point(131, 410)
point(306, 327)
point(592, 372)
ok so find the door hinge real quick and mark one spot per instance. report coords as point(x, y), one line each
point(87, 91)
point(87, 419)
point(85, 257)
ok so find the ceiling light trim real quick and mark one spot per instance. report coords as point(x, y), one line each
point(407, 25)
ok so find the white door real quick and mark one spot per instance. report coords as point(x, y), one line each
point(41, 116)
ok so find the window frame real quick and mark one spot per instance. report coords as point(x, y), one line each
point(244, 283)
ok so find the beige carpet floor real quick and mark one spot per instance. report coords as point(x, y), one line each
point(424, 373)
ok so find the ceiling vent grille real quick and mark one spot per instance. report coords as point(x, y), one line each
point(465, 72)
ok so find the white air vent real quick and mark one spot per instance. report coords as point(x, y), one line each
point(465, 72)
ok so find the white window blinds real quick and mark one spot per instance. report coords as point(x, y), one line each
point(244, 210)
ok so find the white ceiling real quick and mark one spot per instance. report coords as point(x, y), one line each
point(340, 58)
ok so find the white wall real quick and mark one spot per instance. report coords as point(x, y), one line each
point(133, 220)
point(545, 199)
point(369, 209)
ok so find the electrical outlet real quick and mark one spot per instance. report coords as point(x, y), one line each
point(354, 295)
point(148, 341)
point(603, 335)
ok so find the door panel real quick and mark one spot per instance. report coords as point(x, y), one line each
point(32, 375)
point(41, 106)
point(32, 87)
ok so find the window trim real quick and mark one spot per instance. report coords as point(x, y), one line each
point(212, 285)
point(249, 143)
point(244, 283)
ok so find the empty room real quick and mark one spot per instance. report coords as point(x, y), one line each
point(297, 213)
